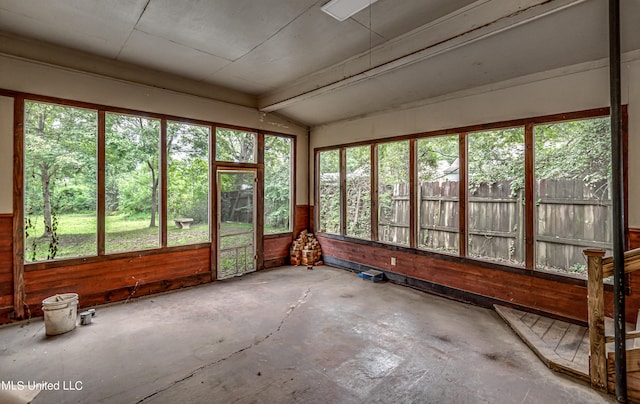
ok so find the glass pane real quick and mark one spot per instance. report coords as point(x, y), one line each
point(235, 146)
point(237, 231)
point(187, 183)
point(359, 192)
point(131, 183)
point(438, 187)
point(496, 194)
point(60, 182)
point(393, 192)
point(329, 192)
point(278, 152)
point(573, 201)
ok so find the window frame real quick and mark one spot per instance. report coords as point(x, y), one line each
point(18, 181)
point(292, 179)
point(462, 132)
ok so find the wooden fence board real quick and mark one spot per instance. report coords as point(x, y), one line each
point(570, 215)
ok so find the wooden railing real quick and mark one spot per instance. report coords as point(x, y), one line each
point(601, 364)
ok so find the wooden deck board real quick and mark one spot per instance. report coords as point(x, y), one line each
point(571, 341)
point(553, 352)
point(541, 326)
point(555, 333)
point(529, 319)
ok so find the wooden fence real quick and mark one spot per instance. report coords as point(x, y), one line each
point(570, 215)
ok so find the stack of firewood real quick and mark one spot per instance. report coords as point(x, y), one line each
point(305, 250)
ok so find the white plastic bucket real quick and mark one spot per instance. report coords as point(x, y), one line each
point(60, 313)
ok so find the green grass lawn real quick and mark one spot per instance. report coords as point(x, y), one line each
point(77, 236)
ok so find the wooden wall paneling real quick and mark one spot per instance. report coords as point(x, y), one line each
point(374, 192)
point(6, 261)
point(558, 298)
point(302, 217)
point(162, 200)
point(18, 208)
point(413, 193)
point(277, 247)
point(97, 278)
point(101, 226)
point(634, 238)
point(529, 194)
point(312, 224)
point(462, 194)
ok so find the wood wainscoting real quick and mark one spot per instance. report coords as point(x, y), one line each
point(6, 267)
point(472, 281)
point(276, 250)
point(117, 279)
point(122, 276)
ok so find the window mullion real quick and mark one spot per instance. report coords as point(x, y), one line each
point(343, 191)
point(101, 181)
point(374, 192)
point(463, 195)
point(412, 193)
point(163, 183)
point(529, 205)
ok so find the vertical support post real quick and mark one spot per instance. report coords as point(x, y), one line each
point(19, 298)
point(462, 195)
point(617, 201)
point(258, 204)
point(529, 194)
point(413, 192)
point(162, 212)
point(101, 205)
point(374, 192)
point(343, 191)
point(213, 204)
point(595, 298)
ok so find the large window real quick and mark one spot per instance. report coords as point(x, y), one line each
point(438, 190)
point(470, 193)
point(132, 179)
point(393, 192)
point(329, 192)
point(187, 183)
point(573, 201)
point(278, 186)
point(496, 218)
point(358, 191)
point(99, 180)
point(60, 182)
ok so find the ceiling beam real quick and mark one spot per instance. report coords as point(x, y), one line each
point(468, 25)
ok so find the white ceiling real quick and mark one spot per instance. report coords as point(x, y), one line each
point(293, 59)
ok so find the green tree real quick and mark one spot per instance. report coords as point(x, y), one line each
point(188, 171)
point(60, 165)
point(329, 215)
point(277, 183)
point(132, 154)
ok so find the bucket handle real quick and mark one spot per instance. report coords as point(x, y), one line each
point(58, 308)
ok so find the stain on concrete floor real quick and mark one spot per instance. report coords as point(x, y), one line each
point(288, 335)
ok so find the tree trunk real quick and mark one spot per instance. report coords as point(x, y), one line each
point(154, 195)
point(45, 178)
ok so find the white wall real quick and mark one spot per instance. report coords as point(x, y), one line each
point(563, 90)
point(38, 78)
point(6, 154)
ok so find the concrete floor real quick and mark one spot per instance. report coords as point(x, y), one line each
point(287, 335)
